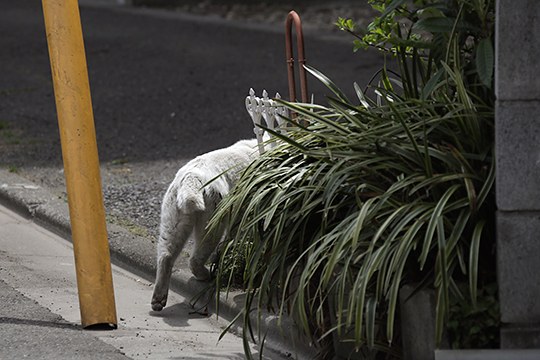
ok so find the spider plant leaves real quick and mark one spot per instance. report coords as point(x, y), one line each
point(230, 325)
point(473, 260)
point(280, 136)
point(394, 292)
point(443, 264)
point(433, 221)
point(361, 96)
point(371, 316)
point(346, 208)
point(461, 89)
point(485, 61)
point(301, 110)
point(488, 183)
point(439, 316)
point(326, 81)
point(432, 85)
point(412, 139)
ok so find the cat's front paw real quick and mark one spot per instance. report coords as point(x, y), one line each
point(158, 302)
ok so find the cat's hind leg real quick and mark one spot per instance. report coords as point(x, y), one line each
point(171, 242)
point(205, 245)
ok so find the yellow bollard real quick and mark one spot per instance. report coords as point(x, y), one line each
point(81, 163)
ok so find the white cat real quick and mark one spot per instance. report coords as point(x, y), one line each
point(187, 206)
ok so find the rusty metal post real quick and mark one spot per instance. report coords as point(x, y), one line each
point(293, 17)
point(81, 163)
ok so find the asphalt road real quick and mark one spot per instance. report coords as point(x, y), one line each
point(28, 330)
point(164, 85)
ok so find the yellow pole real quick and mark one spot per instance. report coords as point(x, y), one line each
point(81, 163)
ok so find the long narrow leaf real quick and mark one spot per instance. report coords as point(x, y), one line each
point(473, 260)
point(432, 225)
point(326, 81)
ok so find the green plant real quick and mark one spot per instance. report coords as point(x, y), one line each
point(366, 197)
point(120, 161)
point(422, 33)
point(129, 225)
point(13, 169)
point(475, 326)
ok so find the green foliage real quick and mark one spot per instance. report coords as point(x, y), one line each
point(475, 326)
point(358, 202)
point(120, 161)
point(362, 197)
point(13, 169)
point(485, 61)
point(459, 32)
point(128, 224)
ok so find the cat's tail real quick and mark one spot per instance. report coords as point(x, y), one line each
point(190, 195)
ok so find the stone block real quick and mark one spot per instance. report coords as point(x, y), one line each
point(517, 139)
point(492, 354)
point(517, 50)
point(518, 252)
point(521, 337)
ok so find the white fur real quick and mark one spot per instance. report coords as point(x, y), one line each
point(188, 205)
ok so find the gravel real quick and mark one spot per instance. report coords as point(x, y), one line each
point(134, 204)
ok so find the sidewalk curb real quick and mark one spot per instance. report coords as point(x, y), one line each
point(137, 254)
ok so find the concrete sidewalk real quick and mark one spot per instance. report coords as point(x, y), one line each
point(40, 313)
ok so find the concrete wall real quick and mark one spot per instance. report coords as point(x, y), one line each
point(517, 87)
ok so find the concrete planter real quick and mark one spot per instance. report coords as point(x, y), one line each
point(418, 323)
point(345, 350)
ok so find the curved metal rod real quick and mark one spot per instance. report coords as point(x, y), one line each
point(293, 17)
